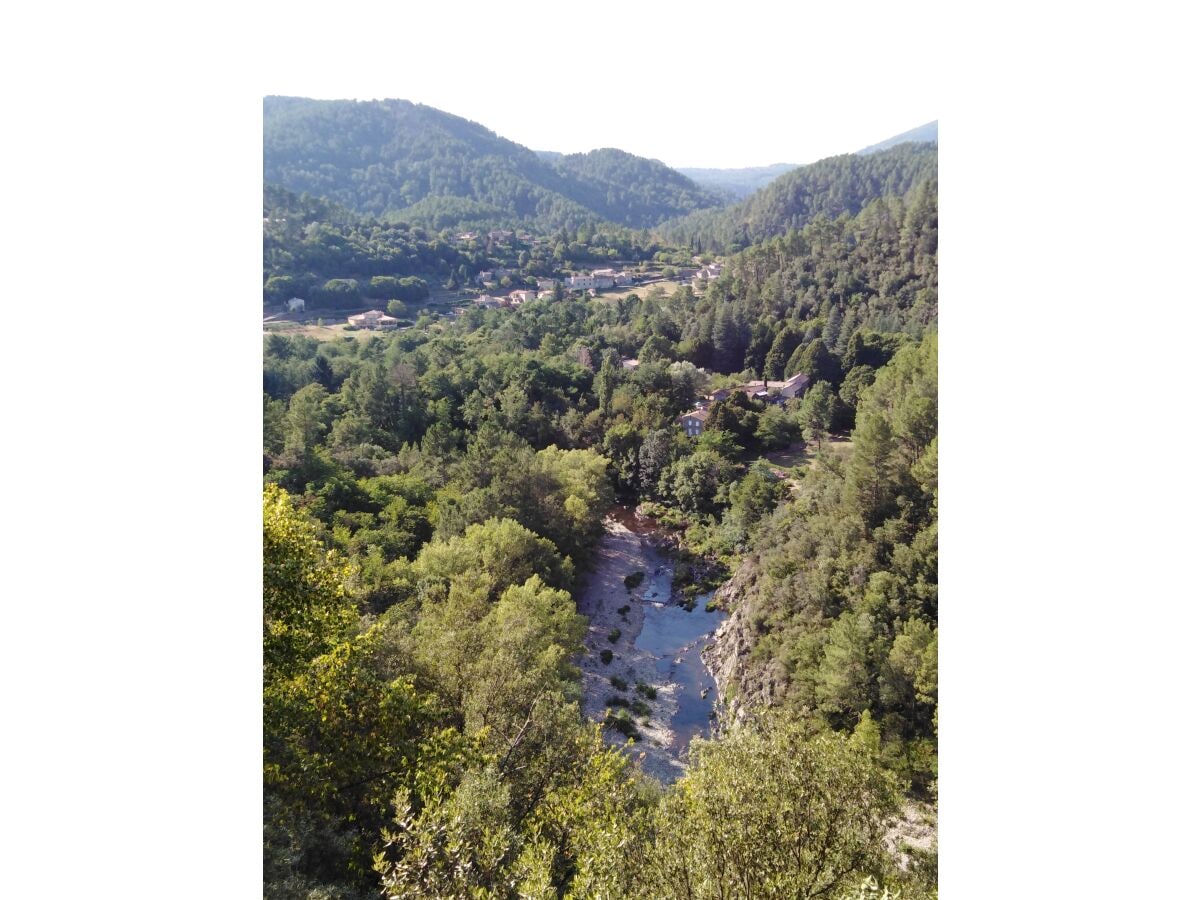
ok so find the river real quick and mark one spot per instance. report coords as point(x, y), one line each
point(654, 643)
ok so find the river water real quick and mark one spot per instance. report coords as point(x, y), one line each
point(666, 649)
point(676, 636)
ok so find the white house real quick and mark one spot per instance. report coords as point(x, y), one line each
point(296, 304)
point(793, 387)
point(373, 318)
point(581, 282)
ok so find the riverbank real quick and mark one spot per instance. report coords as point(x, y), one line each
point(616, 602)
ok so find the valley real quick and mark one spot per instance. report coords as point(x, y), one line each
point(483, 673)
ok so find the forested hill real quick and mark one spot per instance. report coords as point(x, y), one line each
point(632, 189)
point(830, 187)
point(405, 161)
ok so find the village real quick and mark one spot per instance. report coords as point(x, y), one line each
point(589, 283)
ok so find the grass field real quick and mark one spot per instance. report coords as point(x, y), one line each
point(333, 332)
point(799, 456)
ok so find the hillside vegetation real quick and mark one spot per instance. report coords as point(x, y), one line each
point(414, 163)
point(831, 187)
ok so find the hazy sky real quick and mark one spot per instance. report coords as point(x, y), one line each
point(757, 84)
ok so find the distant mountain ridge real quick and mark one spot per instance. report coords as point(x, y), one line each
point(399, 160)
point(927, 133)
point(740, 183)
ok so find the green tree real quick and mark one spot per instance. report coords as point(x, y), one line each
point(493, 555)
point(306, 419)
point(816, 411)
point(305, 608)
point(768, 812)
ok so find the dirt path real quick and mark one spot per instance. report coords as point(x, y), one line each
point(621, 552)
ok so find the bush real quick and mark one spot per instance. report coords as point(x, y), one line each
point(646, 690)
point(640, 708)
point(614, 635)
point(632, 581)
point(606, 656)
point(711, 606)
point(619, 683)
point(622, 610)
point(622, 723)
point(614, 700)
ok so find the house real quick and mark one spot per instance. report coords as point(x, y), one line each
point(519, 297)
point(296, 304)
point(468, 236)
point(603, 282)
point(604, 273)
point(581, 282)
point(622, 278)
point(767, 391)
point(492, 275)
point(693, 421)
point(547, 284)
point(629, 364)
point(373, 318)
point(490, 302)
point(775, 391)
point(707, 273)
point(793, 387)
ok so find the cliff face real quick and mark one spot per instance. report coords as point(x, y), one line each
point(740, 684)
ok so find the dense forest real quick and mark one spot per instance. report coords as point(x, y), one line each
point(839, 184)
point(434, 498)
point(416, 164)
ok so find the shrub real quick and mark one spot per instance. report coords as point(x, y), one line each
point(640, 708)
point(619, 683)
point(711, 606)
point(614, 700)
point(614, 635)
point(646, 690)
point(606, 656)
point(632, 581)
point(622, 610)
point(622, 723)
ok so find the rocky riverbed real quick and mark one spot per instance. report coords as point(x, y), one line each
point(655, 644)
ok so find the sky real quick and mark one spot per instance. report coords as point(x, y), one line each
point(754, 85)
